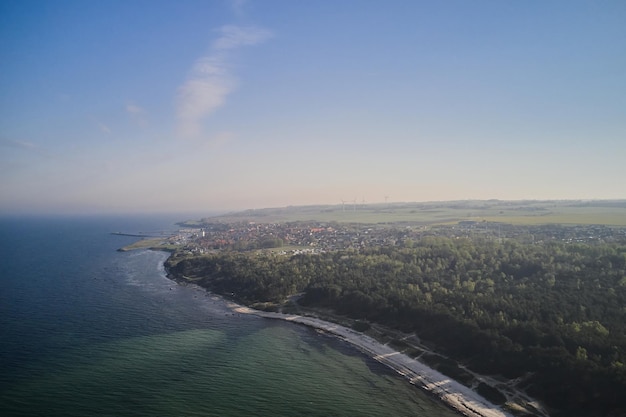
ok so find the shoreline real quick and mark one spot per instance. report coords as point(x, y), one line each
point(454, 394)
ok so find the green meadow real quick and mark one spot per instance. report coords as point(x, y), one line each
point(604, 212)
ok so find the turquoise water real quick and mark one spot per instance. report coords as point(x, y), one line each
point(88, 331)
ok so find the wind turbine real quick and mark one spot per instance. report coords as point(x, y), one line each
point(343, 205)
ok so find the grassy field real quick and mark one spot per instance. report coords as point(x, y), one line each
point(611, 213)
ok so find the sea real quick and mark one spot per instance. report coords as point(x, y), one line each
point(86, 330)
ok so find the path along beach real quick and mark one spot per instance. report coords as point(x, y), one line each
point(453, 393)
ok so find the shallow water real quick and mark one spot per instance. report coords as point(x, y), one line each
point(88, 331)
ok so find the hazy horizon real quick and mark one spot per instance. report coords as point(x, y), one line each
point(195, 106)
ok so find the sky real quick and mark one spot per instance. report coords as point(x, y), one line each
point(177, 106)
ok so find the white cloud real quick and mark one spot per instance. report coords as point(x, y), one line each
point(12, 143)
point(235, 36)
point(198, 98)
point(134, 109)
point(138, 114)
point(103, 127)
point(210, 80)
point(24, 145)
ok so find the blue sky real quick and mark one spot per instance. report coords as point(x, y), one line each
point(163, 106)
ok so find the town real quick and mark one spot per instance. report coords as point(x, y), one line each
point(316, 237)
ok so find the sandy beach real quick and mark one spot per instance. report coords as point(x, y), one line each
point(453, 393)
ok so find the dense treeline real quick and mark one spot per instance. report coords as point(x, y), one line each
point(554, 313)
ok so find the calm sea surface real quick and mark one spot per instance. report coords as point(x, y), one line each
point(89, 331)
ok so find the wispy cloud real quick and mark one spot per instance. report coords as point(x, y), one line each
point(101, 126)
point(235, 36)
point(138, 114)
point(104, 128)
point(24, 145)
point(211, 79)
point(202, 94)
point(12, 143)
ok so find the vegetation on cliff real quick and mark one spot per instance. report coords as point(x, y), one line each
point(551, 314)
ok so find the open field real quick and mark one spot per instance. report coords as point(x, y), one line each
point(609, 212)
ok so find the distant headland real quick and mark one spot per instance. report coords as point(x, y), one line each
point(522, 212)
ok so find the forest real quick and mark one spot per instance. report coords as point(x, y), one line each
point(552, 313)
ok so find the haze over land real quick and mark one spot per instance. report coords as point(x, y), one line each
point(188, 106)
